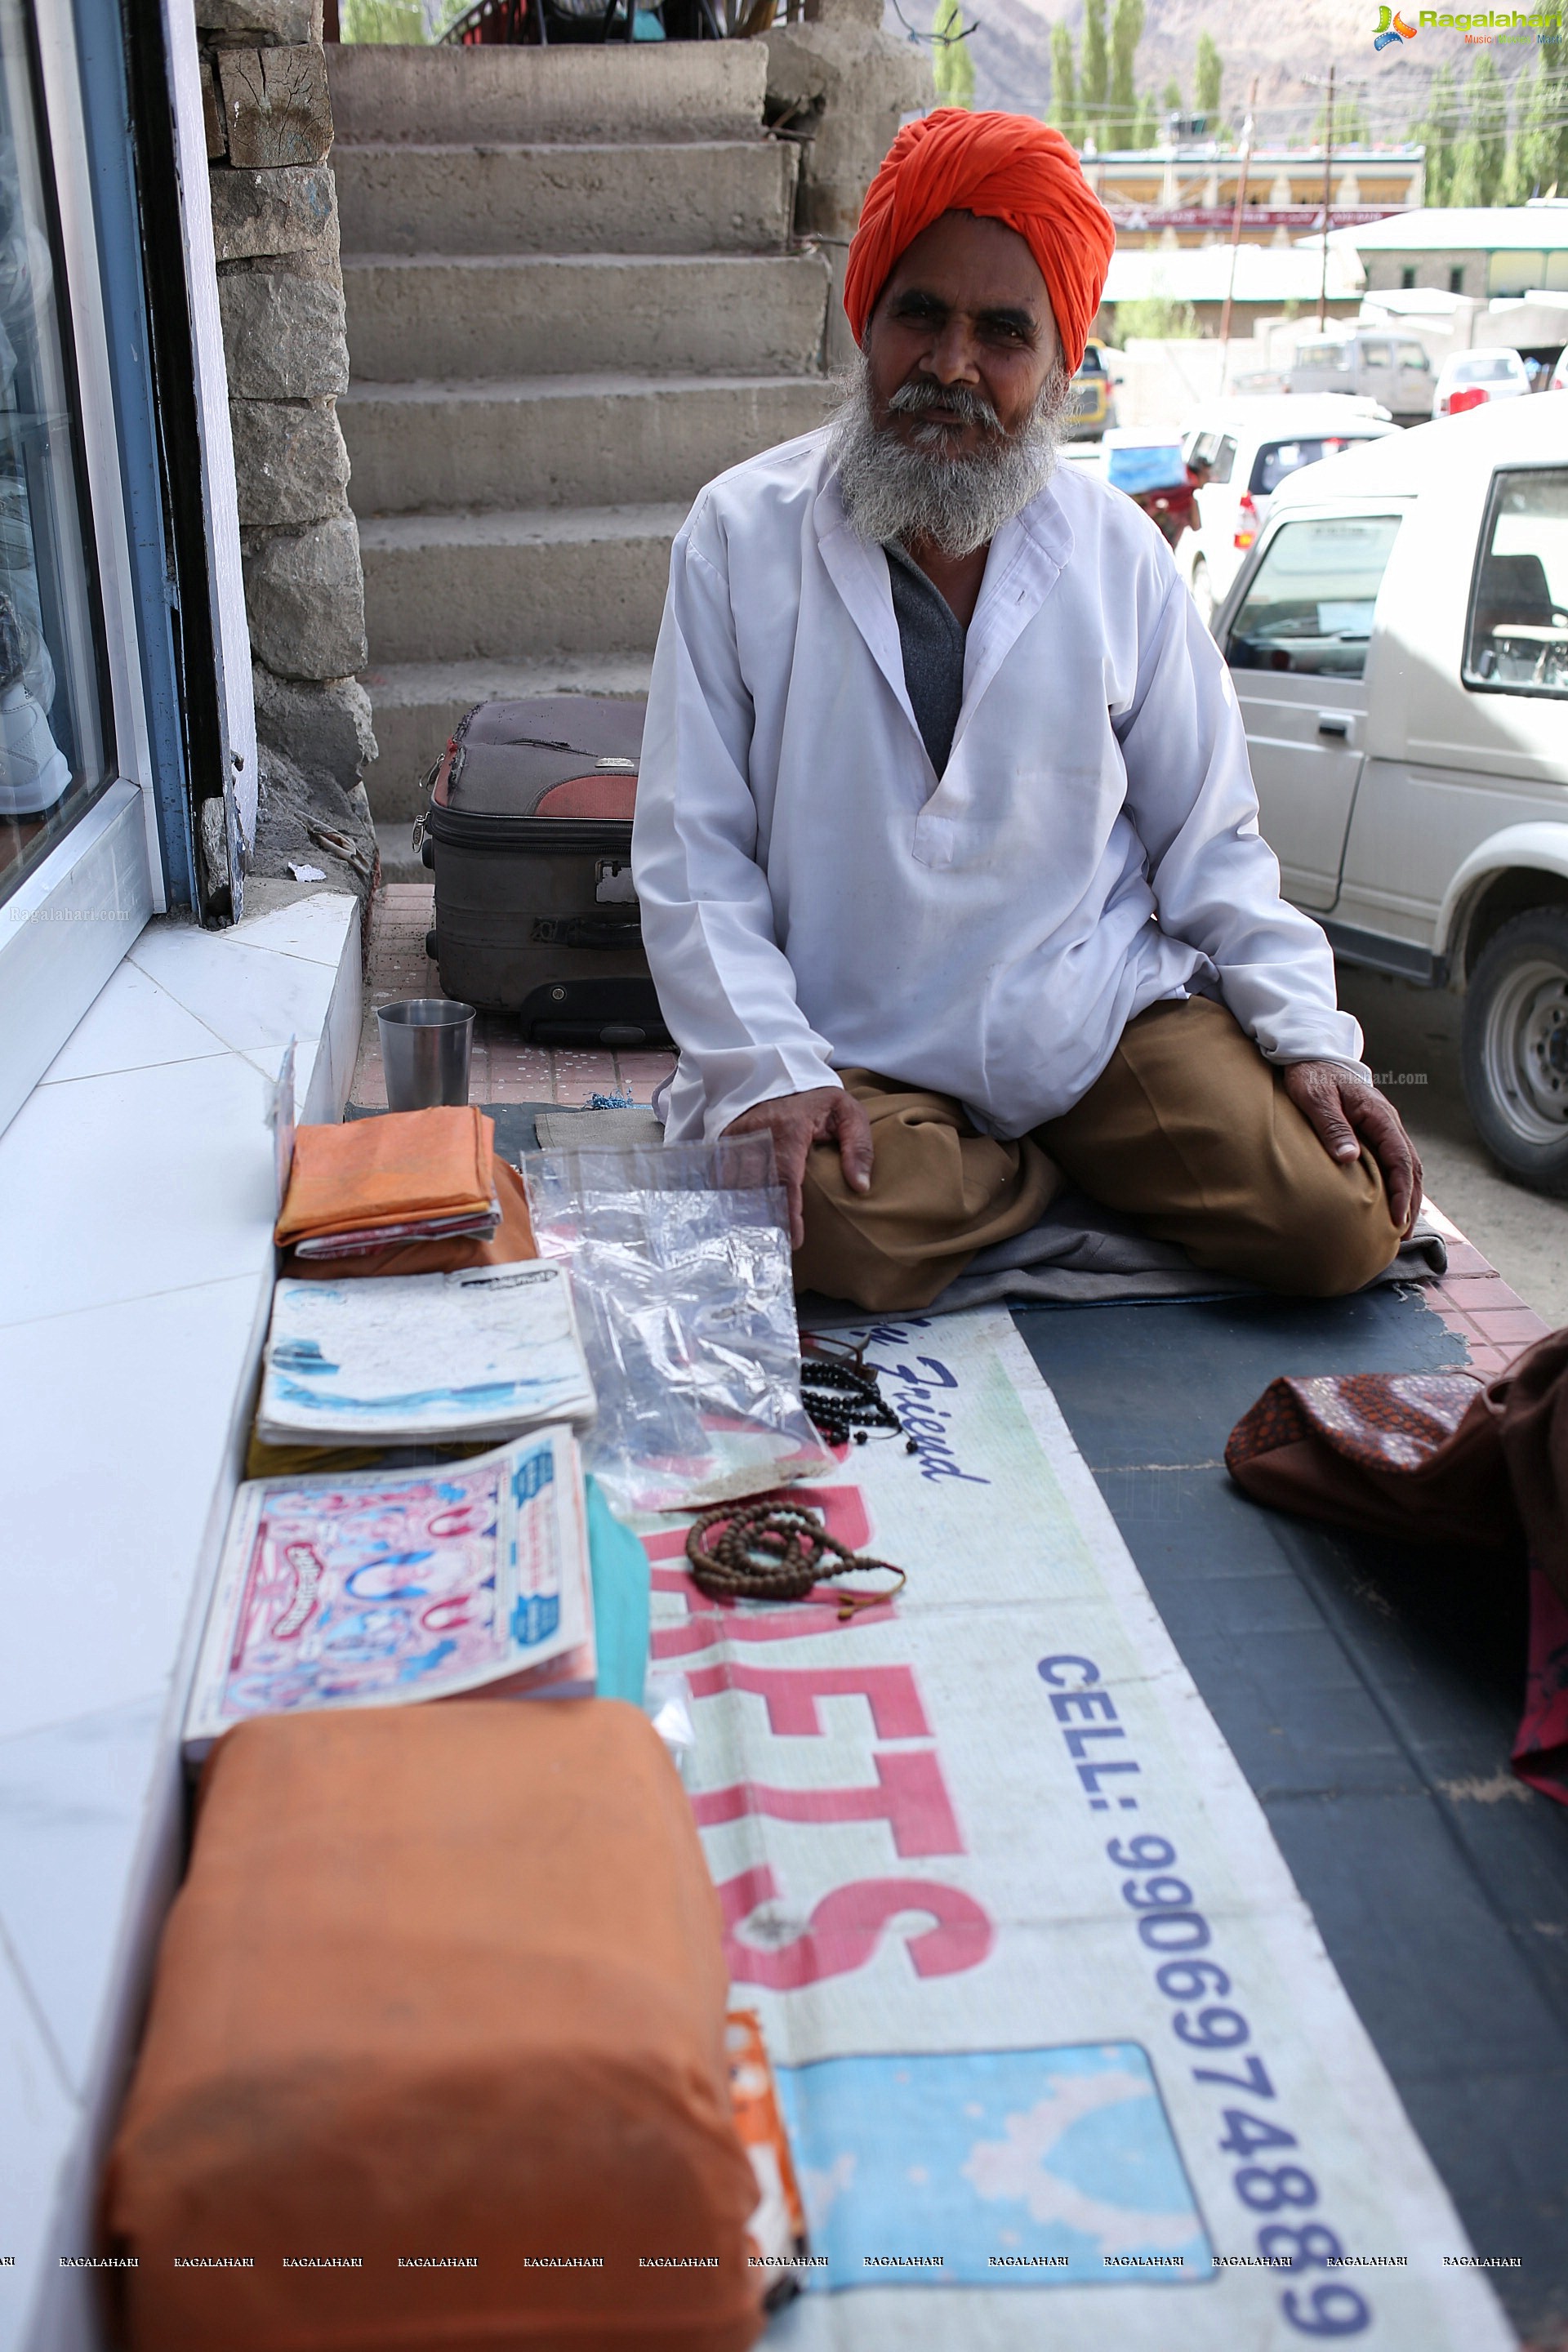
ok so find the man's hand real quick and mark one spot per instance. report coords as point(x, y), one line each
point(1342, 1108)
point(798, 1122)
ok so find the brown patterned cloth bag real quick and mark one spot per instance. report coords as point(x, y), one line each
point(1443, 1458)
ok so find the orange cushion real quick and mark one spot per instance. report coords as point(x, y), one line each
point(443, 1984)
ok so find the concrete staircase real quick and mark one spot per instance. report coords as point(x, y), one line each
point(572, 301)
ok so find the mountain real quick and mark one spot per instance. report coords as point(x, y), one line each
point(1011, 52)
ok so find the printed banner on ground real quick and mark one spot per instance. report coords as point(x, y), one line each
point(1063, 2057)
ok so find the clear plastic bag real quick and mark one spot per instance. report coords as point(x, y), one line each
point(681, 1274)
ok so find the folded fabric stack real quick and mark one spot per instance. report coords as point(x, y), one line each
point(410, 1177)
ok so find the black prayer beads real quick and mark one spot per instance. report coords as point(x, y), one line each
point(844, 1403)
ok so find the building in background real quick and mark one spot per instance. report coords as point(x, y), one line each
point(1479, 251)
point(1185, 196)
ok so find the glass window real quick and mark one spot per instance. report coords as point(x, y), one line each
point(54, 741)
point(1090, 363)
point(1311, 605)
point(1518, 638)
point(1378, 355)
point(1223, 460)
point(1414, 355)
point(1487, 367)
point(1278, 458)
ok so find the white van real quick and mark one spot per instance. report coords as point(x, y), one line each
point(1239, 451)
point(1399, 643)
point(1371, 364)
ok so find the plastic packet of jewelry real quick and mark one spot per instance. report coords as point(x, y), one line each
point(681, 1275)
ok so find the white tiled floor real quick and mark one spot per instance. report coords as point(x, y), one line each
point(137, 1196)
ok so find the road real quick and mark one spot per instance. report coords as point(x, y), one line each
point(1413, 1034)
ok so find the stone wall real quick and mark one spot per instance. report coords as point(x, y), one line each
point(842, 86)
point(275, 231)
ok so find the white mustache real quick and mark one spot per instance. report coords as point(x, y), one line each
point(960, 400)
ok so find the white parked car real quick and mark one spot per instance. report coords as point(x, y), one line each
point(1242, 450)
point(1471, 379)
point(1398, 642)
point(1375, 363)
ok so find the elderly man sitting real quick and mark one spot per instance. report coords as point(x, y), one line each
point(946, 845)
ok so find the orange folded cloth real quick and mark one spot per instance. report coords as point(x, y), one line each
point(383, 1172)
point(445, 1989)
point(511, 1241)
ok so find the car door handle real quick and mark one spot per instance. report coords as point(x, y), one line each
point(1333, 722)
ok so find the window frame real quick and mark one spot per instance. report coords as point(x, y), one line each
point(1323, 681)
point(168, 579)
point(1471, 684)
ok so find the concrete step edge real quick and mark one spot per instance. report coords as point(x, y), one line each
point(762, 144)
point(416, 686)
point(519, 526)
point(793, 256)
point(419, 390)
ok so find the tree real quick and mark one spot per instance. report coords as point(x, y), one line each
point(1482, 153)
point(1126, 31)
point(1066, 111)
point(1094, 80)
point(1210, 73)
point(1146, 130)
point(1171, 97)
point(1436, 132)
point(952, 66)
point(1539, 158)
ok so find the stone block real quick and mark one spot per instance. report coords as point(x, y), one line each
point(293, 208)
point(290, 462)
point(283, 337)
point(304, 596)
point(212, 115)
point(275, 104)
point(305, 817)
point(322, 724)
point(289, 22)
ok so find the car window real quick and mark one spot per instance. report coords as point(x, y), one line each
point(1517, 642)
point(1487, 367)
point(1090, 363)
point(1311, 605)
point(1323, 355)
point(1377, 354)
point(1223, 460)
point(1413, 355)
point(1278, 458)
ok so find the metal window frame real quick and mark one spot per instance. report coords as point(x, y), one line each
point(121, 93)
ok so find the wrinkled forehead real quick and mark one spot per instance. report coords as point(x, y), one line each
point(968, 262)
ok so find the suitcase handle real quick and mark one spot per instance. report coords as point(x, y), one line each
point(585, 931)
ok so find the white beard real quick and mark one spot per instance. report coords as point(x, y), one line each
point(955, 504)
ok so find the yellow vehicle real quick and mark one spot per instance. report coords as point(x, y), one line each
point(1091, 401)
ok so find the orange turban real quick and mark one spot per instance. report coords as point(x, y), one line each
point(1006, 167)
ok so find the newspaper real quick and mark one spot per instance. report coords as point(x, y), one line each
point(1064, 2059)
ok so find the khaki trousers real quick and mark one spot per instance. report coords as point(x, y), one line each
point(1187, 1131)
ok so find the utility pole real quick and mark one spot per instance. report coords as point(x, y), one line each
point(1328, 187)
point(1236, 231)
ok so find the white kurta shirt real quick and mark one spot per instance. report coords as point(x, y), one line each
point(814, 897)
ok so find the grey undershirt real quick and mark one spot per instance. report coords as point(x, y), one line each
point(932, 637)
